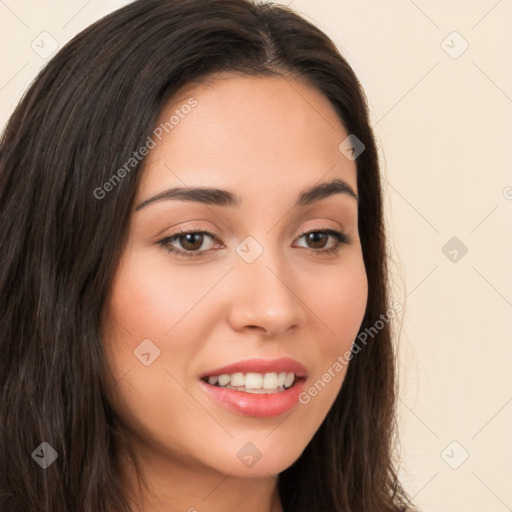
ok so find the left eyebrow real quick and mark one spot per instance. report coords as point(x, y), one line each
point(224, 198)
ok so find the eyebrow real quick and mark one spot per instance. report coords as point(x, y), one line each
point(224, 198)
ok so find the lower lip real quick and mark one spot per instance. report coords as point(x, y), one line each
point(251, 404)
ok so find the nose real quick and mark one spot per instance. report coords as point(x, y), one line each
point(266, 297)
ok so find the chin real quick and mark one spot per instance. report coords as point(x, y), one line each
point(247, 457)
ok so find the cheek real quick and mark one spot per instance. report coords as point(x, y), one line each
point(156, 307)
point(150, 298)
point(341, 305)
point(145, 309)
point(141, 311)
point(141, 298)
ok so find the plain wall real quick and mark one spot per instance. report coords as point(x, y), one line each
point(442, 117)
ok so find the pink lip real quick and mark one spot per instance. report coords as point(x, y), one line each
point(260, 405)
point(284, 364)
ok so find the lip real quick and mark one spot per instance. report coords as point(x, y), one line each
point(283, 364)
point(256, 405)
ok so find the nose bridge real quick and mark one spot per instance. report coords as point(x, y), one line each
point(262, 265)
point(266, 296)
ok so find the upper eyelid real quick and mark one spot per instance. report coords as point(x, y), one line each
point(216, 238)
point(188, 231)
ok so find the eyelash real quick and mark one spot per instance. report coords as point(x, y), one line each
point(340, 237)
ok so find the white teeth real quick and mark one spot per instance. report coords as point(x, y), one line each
point(224, 379)
point(270, 381)
point(254, 382)
point(289, 380)
point(237, 379)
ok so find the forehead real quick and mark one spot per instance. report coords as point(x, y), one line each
point(247, 133)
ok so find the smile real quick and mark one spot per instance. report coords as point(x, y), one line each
point(258, 383)
point(256, 387)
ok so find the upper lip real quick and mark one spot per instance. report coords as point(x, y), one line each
point(284, 364)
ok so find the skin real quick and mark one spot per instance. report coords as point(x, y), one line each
point(265, 139)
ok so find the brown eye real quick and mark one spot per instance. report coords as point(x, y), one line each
point(187, 243)
point(191, 241)
point(317, 239)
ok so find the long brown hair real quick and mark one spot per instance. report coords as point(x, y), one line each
point(92, 106)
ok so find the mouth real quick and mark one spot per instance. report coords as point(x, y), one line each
point(256, 387)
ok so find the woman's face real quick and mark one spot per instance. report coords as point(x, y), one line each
point(256, 288)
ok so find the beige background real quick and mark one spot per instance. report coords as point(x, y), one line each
point(442, 117)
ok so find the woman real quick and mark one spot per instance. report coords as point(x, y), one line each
point(194, 304)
